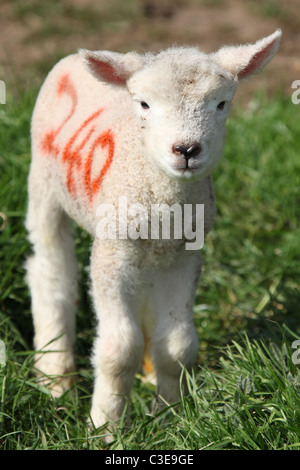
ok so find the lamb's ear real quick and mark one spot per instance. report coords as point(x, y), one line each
point(111, 67)
point(246, 60)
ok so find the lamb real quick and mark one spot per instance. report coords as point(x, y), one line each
point(149, 128)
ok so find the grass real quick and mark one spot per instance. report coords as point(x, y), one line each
point(95, 18)
point(245, 392)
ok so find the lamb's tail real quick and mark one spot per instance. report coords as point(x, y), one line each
point(148, 366)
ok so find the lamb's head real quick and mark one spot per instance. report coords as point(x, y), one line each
point(182, 98)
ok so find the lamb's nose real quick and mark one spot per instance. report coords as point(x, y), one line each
point(187, 151)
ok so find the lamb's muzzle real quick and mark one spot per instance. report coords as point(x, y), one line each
point(187, 151)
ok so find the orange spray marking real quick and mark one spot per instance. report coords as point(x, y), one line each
point(103, 140)
point(71, 154)
point(64, 86)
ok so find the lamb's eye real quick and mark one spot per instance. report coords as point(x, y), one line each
point(144, 105)
point(221, 105)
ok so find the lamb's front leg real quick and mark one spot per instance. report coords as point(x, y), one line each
point(119, 344)
point(174, 340)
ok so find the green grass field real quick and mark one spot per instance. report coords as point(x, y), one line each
point(245, 392)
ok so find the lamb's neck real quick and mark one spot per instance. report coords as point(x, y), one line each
point(165, 189)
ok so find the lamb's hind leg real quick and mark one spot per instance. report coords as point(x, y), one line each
point(52, 278)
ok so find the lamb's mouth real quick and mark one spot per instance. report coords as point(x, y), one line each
point(188, 165)
point(186, 171)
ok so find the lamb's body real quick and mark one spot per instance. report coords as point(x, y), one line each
point(89, 148)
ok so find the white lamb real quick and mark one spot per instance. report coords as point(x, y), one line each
point(149, 128)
